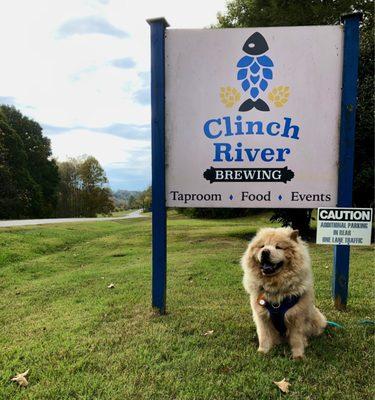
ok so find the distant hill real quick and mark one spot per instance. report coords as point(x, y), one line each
point(125, 194)
point(121, 197)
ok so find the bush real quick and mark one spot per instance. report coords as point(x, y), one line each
point(217, 213)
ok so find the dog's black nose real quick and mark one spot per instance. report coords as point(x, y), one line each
point(265, 255)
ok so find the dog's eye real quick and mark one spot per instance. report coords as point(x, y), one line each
point(278, 248)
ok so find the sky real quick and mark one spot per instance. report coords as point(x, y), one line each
point(81, 68)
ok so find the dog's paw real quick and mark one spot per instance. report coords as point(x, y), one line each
point(298, 357)
point(263, 350)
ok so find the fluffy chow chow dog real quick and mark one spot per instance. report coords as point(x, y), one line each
point(278, 278)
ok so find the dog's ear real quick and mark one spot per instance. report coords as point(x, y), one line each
point(294, 235)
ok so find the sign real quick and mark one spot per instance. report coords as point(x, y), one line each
point(252, 116)
point(344, 226)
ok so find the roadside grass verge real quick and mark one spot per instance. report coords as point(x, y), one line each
point(121, 213)
point(81, 340)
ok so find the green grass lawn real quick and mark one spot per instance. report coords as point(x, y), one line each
point(81, 340)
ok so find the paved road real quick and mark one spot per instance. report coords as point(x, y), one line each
point(24, 222)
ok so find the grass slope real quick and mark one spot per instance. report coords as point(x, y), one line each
point(84, 341)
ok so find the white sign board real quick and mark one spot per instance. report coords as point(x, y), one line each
point(346, 226)
point(252, 116)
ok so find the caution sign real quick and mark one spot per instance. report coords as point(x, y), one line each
point(344, 226)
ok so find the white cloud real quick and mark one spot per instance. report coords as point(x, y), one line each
point(88, 26)
point(108, 149)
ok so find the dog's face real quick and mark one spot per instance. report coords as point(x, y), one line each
point(272, 249)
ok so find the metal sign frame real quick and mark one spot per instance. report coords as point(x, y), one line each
point(346, 157)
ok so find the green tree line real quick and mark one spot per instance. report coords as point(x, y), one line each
point(34, 185)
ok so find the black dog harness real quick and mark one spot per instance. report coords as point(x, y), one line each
point(277, 312)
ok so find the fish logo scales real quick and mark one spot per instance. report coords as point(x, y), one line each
point(254, 72)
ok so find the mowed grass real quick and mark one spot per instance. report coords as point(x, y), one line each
point(81, 340)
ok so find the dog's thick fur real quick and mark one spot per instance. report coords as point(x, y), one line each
point(292, 276)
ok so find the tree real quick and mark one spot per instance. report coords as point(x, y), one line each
point(69, 202)
point(39, 164)
point(132, 202)
point(82, 190)
point(255, 13)
point(252, 13)
point(96, 198)
point(18, 191)
point(363, 189)
point(145, 199)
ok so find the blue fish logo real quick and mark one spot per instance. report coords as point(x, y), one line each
point(255, 70)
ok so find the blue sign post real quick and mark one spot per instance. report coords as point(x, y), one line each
point(159, 214)
point(346, 151)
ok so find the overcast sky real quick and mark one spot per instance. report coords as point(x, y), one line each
point(81, 68)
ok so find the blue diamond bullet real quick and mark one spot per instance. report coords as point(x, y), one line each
point(231, 197)
point(280, 197)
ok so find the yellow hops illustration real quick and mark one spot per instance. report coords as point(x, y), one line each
point(229, 96)
point(279, 95)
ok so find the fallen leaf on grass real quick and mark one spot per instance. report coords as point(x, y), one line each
point(111, 286)
point(208, 333)
point(283, 385)
point(21, 379)
point(226, 370)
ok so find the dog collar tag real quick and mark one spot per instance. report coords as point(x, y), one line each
point(261, 301)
